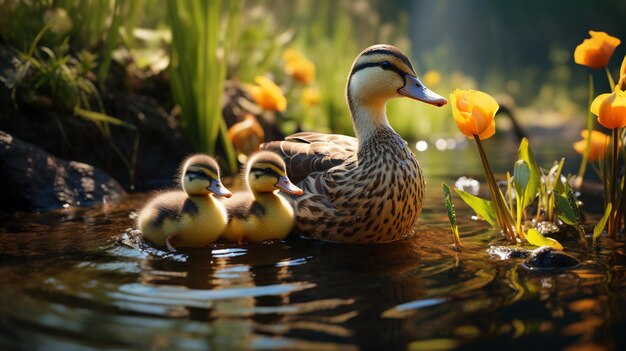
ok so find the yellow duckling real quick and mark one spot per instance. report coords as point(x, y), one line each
point(261, 213)
point(192, 217)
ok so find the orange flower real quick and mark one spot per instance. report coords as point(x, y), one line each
point(474, 112)
point(611, 109)
point(268, 95)
point(310, 97)
point(246, 135)
point(622, 70)
point(298, 66)
point(597, 51)
point(598, 143)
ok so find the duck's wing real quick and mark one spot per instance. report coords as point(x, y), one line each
point(307, 152)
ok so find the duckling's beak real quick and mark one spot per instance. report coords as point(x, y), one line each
point(414, 89)
point(219, 189)
point(287, 186)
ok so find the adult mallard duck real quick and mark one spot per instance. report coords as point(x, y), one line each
point(367, 189)
point(191, 217)
point(260, 213)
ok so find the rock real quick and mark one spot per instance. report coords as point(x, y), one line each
point(163, 144)
point(548, 258)
point(507, 252)
point(34, 180)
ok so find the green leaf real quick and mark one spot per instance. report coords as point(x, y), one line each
point(447, 198)
point(599, 228)
point(536, 238)
point(483, 208)
point(567, 213)
point(101, 117)
point(521, 177)
point(526, 153)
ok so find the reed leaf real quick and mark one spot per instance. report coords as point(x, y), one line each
point(198, 71)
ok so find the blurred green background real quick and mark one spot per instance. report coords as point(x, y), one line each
point(520, 52)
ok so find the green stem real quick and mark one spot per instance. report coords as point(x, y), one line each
point(613, 184)
point(583, 162)
point(610, 77)
point(505, 219)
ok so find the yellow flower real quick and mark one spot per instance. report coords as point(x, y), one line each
point(431, 78)
point(622, 70)
point(474, 112)
point(597, 51)
point(598, 143)
point(268, 95)
point(310, 97)
point(298, 66)
point(611, 109)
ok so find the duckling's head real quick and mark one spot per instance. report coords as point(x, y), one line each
point(266, 172)
point(201, 176)
point(382, 72)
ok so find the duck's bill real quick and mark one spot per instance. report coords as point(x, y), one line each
point(219, 189)
point(414, 89)
point(287, 186)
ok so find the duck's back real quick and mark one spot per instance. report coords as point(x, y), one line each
point(374, 195)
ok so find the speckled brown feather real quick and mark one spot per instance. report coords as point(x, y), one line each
point(308, 152)
point(366, 198)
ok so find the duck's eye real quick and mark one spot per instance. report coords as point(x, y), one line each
point(385, 65)
point(268, 170)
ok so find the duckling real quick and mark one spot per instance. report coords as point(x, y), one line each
point(367, 189)
point(261, 213)
point(191, 217)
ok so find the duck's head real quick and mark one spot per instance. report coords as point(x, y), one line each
point(382, 72)
point(266, 172)
point(201, 176)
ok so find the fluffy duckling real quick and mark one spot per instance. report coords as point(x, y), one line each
point(261, 213)
point(192, 217)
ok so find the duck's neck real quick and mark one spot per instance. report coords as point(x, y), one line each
point(367, 118)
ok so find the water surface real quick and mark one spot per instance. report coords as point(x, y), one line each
point(82, 279)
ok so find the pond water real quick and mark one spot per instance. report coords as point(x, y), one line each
point(81, 279)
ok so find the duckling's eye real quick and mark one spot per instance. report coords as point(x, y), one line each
point(268, 170)
point(385, 65)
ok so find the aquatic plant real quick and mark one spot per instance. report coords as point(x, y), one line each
point(610, 109)
point(611, 112)
point(447, 199)
point(474, 113)
point(595, 53)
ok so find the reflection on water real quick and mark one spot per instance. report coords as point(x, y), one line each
point(83, 280)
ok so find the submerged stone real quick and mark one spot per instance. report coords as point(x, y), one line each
point(549, 258)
